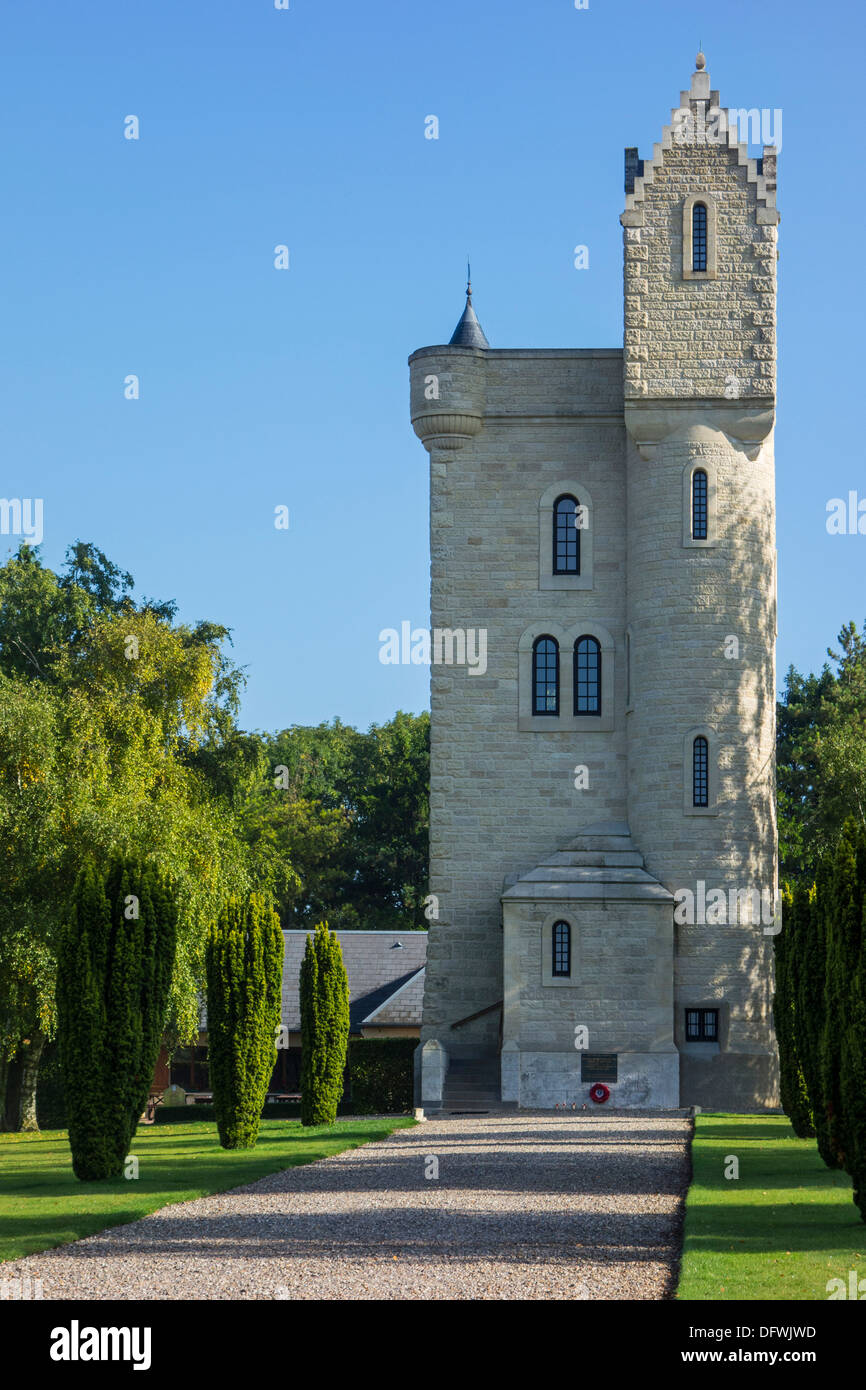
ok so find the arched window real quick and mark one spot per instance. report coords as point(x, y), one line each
point(699, 236)
point(699, 505)
point(545, 676)
point(561, 937)
point(587, 676)
point(566, 536)
point(700, 772)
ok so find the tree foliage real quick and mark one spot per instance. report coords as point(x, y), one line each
point(821, 1006)
point(115, 961)
point(324, 996)
point(821, 755)
point(340, 823)
point(792, 1084)
point(244, 992)
point(105, 709)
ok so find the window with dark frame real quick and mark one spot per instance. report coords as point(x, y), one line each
point(699, 237)
point(566, 536)
point(700, 772)
point(699, 505)
point(587, 676)
point(702, 1025)
point(545, 676)
point(561, 948)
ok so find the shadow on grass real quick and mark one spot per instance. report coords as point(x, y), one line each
point(761, 1132)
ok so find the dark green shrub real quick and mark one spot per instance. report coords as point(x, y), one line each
point(792, 1085)
point(831, 1004)
point(244, 964)
point(113, 976)
point(381, 1075)
point(850, 1052)
point(324, 996)
point(811, 1004)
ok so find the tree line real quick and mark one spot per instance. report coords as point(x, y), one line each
point(115, 961)
point(120, 741)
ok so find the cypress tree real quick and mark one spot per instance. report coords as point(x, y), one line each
point(792, 1085)
point(114, 970)
point(324, 994)
point(851, 1050)
point(842, 914)
point(244, 964)
point(809, 907)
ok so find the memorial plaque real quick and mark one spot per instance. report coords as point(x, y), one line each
point(598, 1066)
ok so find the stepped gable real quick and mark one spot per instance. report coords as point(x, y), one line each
point(700, 118)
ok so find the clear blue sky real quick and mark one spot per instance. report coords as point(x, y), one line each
point(261, 387)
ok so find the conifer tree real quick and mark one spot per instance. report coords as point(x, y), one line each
point(792, 1085)
point(847, 974)
point(810, 1003)
point(324, 992)
point(244, 965)
point(114, 974)
point(840, 898)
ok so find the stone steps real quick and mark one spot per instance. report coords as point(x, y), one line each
point(472, 1084)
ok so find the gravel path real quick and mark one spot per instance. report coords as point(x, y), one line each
point(524, 1206)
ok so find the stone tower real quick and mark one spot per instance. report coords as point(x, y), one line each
point(602, 825)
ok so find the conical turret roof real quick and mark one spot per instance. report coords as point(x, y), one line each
point(469, 332)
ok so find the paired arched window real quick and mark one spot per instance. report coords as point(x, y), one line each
point(700, 494)
point(699, 236)
point(545, 676)
point(561, 938)
point(587, 676)
point(566, 536)
point(700, 772)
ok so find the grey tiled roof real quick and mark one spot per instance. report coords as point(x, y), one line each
point(402, 1008)
point(378, 963)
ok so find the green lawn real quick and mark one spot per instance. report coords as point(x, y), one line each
point(43, 1204)
point(781, 1230)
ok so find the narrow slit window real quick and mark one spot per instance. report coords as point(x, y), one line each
point(699, 505)
point(587, 676)
point(545, 676)
point(628, 670)
point(699, 236)
point(566, 536)
point(700, 772)
point(561, 949)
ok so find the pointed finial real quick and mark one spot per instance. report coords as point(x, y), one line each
point(700, 62)
point(469, 332)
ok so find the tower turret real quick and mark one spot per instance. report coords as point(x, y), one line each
point(699, 387)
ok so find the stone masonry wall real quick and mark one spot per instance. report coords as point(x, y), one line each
point(501, 798)
point(690, 338)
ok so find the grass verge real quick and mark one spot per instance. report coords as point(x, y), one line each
point(781, 1229)
point(42, 1203)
